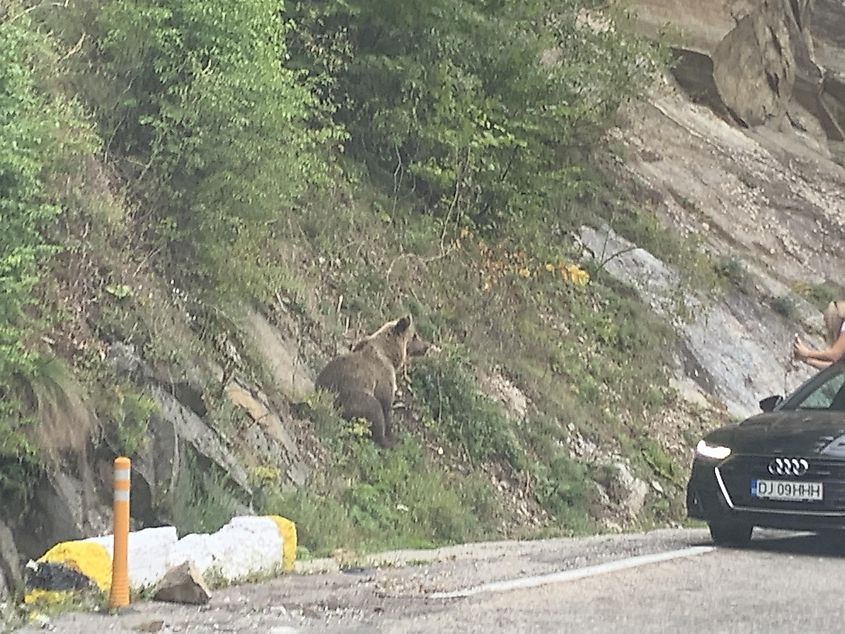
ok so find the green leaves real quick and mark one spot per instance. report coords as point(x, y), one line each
point(44, 142)
point(219, 137)
point(486, 107)
point(467, 419)
point(119, 291)
point(25, 136)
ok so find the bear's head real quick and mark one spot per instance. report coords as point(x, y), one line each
point(397, 339)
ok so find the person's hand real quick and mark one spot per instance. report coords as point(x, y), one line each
point(799, 349)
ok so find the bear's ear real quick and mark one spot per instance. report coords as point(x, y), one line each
point(403, 324)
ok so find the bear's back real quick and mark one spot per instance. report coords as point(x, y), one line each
point(357, 371)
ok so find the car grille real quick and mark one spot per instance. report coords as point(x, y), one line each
point(738, 471)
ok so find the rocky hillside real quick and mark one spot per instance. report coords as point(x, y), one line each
point(581, 349)
point(741, 148)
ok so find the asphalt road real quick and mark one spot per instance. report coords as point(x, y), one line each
point(664, 581)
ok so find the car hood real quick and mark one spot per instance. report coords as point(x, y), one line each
point(793, 432)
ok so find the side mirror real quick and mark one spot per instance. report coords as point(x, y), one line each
point(769, 404)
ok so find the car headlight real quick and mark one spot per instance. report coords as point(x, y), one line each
point(713, 452)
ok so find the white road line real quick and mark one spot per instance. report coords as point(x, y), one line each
point(572, 575)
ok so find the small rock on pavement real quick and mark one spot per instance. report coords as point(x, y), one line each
point(183, 584)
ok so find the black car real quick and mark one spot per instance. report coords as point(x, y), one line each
point(784, 468)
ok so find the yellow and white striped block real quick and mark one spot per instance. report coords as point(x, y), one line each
point(245, 547)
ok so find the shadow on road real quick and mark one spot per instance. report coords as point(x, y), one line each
point(830, 544)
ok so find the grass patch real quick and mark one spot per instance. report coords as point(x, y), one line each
point(564, 488)
point(460, 414)
point(733, 272)
point(128, 412)
point(370, 499)
point(784, 306)
point(202, 498)
point(820, 295)
point(661, 463)
point(685, 255)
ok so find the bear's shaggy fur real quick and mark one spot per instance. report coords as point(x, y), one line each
point(364, 379)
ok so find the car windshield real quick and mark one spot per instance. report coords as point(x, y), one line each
point(825, 391)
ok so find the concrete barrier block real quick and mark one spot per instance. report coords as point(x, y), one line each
point(244, 547)
point(148, 553)
point(287, 530)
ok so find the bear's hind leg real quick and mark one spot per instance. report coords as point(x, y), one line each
point(361, 405)
point(389, 437)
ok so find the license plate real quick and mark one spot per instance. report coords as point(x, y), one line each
point(787, 490)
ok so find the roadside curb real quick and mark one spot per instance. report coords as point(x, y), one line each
point(246, 547)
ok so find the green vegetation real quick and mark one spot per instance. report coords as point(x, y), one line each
point(162, 165)
point(40, 130)
point(25, 209)
point(820, 295)
point(216, 138)
point(129, 412)
point(449, 99)
point(368, 498)
point(734, 272)
point(784, 305)
point(464, 419)
point(203, 499)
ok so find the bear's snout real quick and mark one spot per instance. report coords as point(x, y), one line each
point(417, 346)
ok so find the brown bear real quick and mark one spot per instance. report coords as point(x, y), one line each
point(364, 379)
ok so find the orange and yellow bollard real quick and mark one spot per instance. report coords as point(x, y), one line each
point(119, 595)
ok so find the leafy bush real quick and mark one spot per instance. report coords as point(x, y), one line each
point(25, 136)
point(784, 305)
point(40, 135)
point(452, 401)
point(19, 456)
point(482, 108)
point(820, 295)
point(218, 138)
point(565, 490)
point(128, 414)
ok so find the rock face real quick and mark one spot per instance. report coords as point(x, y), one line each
point(754, 65)
point(280, 356)
point(744, 149)
point(10, 567)
point(778, 63)
point(626, 490)
point(72, 500)
point(733, 349)
point(63, 507)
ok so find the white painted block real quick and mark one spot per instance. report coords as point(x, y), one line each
point(248, 545)
point(194, 547)
point(148, 553)
point(244, 546)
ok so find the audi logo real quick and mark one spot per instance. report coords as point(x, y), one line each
point(788, 466)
